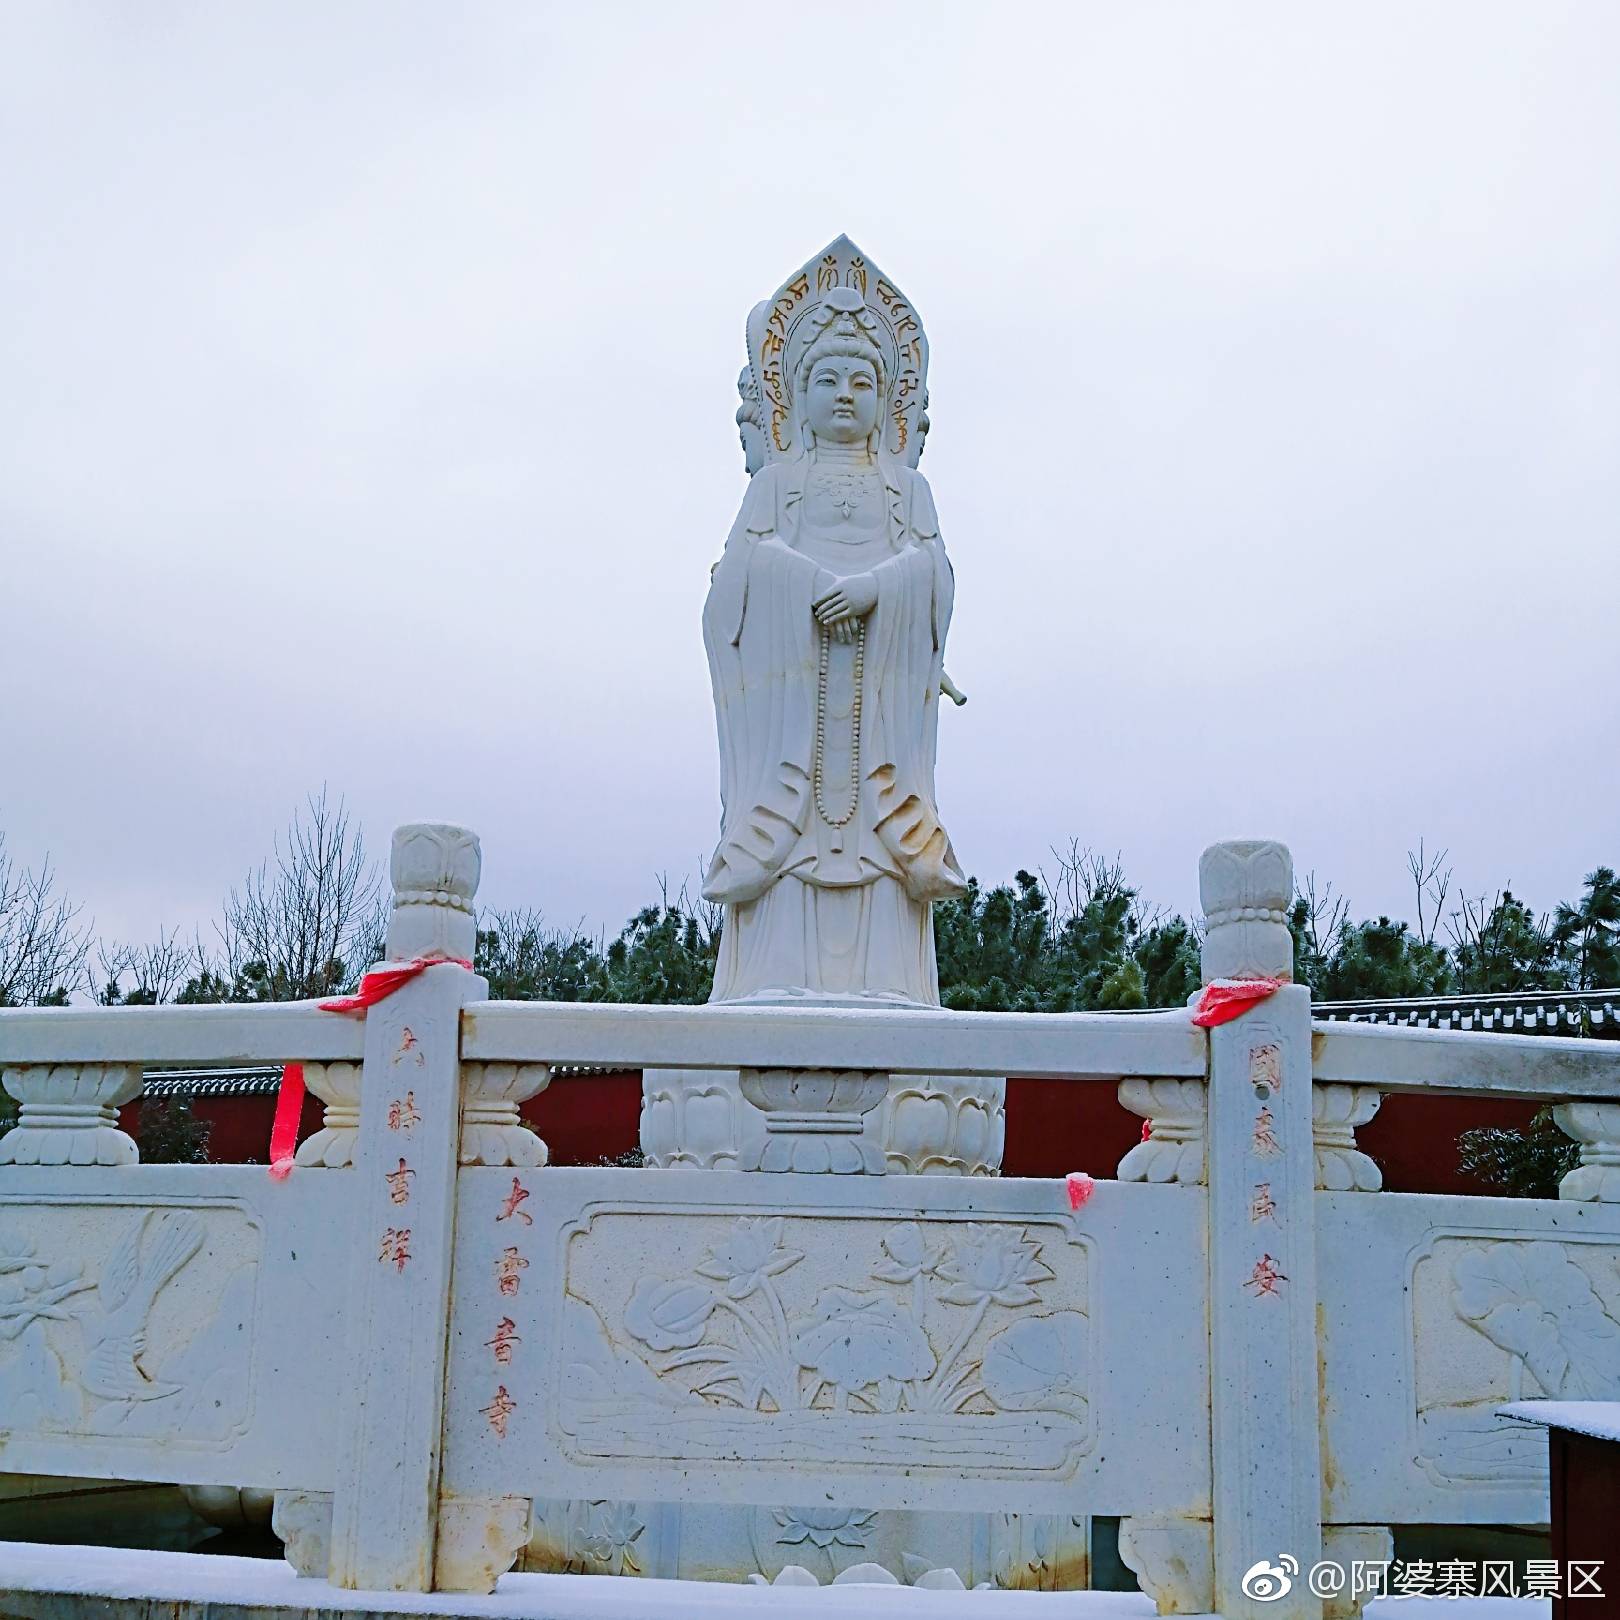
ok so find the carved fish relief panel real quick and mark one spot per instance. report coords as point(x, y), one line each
point(126, 1320)
point(1504, 1319)
point(852, 1340)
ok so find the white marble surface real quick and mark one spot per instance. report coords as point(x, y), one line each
point(1079, 1046)
point(185, 1325)
point(1438, 1311)
point(948, 1343)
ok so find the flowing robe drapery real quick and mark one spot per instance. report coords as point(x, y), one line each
point(810, 908)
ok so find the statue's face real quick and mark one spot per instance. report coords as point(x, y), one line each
point(843, 399)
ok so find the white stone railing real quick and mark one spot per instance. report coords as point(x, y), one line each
point(443, 1356)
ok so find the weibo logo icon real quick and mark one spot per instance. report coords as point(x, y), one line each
point(1265, 1583)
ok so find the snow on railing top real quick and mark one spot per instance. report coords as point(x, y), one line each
point(1081, 1046)
point(268, 1032)
point(1399, 1059)
point(1078, 1046)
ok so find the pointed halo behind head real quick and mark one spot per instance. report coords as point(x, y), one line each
point(778, 338)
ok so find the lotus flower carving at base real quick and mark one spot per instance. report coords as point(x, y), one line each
point(815, 1120)
point(948, 1344)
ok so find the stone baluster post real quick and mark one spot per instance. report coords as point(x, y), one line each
point(1173, 1147)
point(492, 1131)
point(1596, 1126)
point(68, 1113)
point(338, 1087)
point(1338, 1111)
point(385, 1510)
point(1262, 1242)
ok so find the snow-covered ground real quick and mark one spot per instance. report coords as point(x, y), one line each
point(199, 1577)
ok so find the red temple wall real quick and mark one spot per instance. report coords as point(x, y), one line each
point(1053, 1127)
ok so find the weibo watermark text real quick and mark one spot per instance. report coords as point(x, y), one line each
point(1269, 1579)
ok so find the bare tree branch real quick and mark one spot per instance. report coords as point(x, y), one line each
point(157, 972)
point(299, 927)
point(1084, 877)
point(42, 946)
point(1319, 917)
point(1432, 886)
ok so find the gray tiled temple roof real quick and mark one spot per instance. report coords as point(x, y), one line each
point(1592, 1013)
point(265, 1080)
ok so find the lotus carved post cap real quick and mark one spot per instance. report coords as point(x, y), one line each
point(434, 864)
point(434, 870)
point(1246, 887)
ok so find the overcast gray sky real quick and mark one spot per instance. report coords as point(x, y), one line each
point(366, 387)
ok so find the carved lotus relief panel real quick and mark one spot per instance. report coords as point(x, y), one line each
point(593, 1538)
point(953, 1344)
point(125, 1320)
point(1504, 1319)
point(1033, 1551)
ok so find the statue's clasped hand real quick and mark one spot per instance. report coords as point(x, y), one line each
point(849, 600)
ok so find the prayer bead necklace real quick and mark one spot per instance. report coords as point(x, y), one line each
point(855, 728)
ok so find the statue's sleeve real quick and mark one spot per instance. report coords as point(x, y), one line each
point(758, 630)
point(728, 586)
point(905, 636)
point(925, 533)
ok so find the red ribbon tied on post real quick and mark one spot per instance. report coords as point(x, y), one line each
point(374, 987)
point(383, 982)
point(1226, 999)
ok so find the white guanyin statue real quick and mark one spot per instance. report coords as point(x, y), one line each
point(825, 627)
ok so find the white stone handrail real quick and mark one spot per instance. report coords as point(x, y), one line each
point(1076, 1046)
point(1552, 1067)
point(269, 1032)
point(71, 1068)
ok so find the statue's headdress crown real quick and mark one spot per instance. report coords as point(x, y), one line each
point(839, 302)
point(840, 324)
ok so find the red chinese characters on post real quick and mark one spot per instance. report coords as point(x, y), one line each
point(1265, 1143)
point(1266, 1278)
point(514, 1199)
point(396, 1247)
point(508, 1269)
point(506, 1335)
point(1265, 1066)
point(499, 1410)
point(1262, 1206)
point(410, 1047)
point(399, 1183)
point(402, 1114)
